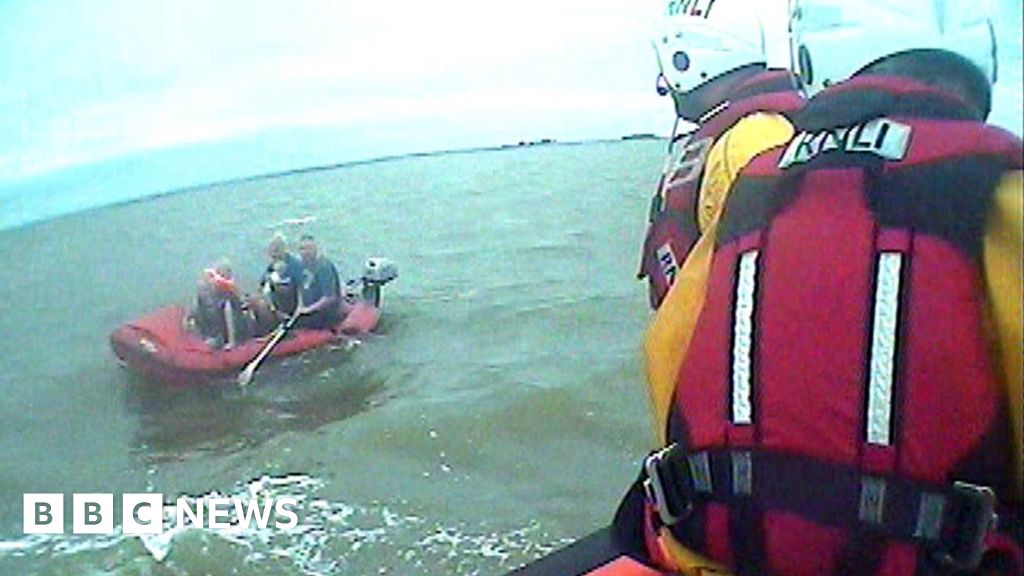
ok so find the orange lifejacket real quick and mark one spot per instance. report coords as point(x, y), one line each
point(220, 282)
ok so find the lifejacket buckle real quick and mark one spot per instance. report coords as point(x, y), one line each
point(976, 518)
point(654, 488)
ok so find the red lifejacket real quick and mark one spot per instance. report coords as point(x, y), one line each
point(225, 284)
point(840, 378)
point(673, 227)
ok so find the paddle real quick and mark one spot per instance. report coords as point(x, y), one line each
point(250, 369)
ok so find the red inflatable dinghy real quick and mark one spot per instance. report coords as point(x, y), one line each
point(160, 348)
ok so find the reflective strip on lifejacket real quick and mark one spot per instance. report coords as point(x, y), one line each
point(743, 339)
point(883, 348)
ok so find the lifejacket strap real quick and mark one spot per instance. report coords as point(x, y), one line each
point(950, 522)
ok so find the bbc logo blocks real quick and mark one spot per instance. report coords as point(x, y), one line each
point(93, 513)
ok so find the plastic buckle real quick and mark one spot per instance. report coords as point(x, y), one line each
point(975, 520)
point(654, 488)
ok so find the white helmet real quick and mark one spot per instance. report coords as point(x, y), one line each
point(830, 40)
point(700, 40)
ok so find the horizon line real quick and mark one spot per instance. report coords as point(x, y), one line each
point(320, 168)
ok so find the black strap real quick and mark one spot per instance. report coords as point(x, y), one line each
point(628, 525)
point(746, 534)
point(583, 556)
point(862, 555)
point(947, 521)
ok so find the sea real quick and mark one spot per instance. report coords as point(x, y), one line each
point(497, 413)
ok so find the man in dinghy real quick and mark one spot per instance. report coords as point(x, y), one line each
point(280, 281)
point(319, 289)
point(279, 287)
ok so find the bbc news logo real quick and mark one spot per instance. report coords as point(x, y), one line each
point(145, 513)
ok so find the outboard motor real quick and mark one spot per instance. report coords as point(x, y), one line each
point(376, 273)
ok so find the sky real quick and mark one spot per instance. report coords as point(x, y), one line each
point(126, 98)
point(84, 81)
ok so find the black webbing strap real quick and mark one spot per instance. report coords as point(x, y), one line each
point(580, 557)
point(950, 522)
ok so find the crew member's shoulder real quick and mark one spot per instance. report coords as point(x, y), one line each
point(752, 135)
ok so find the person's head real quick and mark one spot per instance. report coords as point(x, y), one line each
point(277, 248)
point(704, 48)
point(219, 278)
point(948, 44)
point(223, 268)
point(308, 248)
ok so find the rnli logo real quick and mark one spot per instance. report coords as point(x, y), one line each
point(881, 137)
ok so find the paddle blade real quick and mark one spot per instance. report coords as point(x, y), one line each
point(245, 376)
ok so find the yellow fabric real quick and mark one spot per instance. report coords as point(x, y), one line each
point(688, 561)
point(669, 334)
point(1003, 257)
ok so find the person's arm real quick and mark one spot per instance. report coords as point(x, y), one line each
point(266, 281)
point(1004, 268)
point(327, 277)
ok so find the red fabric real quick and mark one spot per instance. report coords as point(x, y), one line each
point(811, 341)
point(949, 380)
point(893, 85)
point(681, 196)
point(898, 560)
point(703, 383)
point(818, 546)
point(716, 531)
point(971, 139)
point(878, 460)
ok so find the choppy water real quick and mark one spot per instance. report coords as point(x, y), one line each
point(498, 412)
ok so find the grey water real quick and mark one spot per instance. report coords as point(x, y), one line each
point(497, 413)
